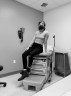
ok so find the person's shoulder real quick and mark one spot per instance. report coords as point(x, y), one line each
point(46, 32)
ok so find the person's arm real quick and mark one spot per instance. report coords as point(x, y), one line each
point(45, 42)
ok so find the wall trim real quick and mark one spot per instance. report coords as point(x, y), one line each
point(10, 73)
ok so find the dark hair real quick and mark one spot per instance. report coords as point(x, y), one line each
point(41, 22)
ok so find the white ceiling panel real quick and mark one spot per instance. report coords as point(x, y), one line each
point(36, 4)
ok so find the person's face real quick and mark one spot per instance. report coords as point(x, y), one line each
point(41, 27)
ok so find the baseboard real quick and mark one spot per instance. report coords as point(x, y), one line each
point(10, 73)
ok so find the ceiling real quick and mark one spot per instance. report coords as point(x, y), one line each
point(36, 4)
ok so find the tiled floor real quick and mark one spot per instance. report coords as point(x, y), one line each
point(67, 93)
point(16, 88)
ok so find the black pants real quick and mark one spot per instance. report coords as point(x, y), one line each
point(32, 51)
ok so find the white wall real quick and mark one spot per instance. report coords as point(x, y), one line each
point(13, 16)
point(58, 22)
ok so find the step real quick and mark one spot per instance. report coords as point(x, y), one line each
point(34, 82)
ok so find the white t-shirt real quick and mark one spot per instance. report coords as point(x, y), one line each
point(41, 36)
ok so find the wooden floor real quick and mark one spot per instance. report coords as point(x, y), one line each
point(16, 88)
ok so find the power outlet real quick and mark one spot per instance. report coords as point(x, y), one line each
point(14, 61)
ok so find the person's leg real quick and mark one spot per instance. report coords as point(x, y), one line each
point(24, 56)
point(31, 52)
point(36, 51)
point(24, 59)
point(24, 72)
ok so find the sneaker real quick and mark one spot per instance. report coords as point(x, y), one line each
point(22, 71)
point(25, 74)
point(28, 69)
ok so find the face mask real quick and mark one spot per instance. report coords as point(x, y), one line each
point(41, 27)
